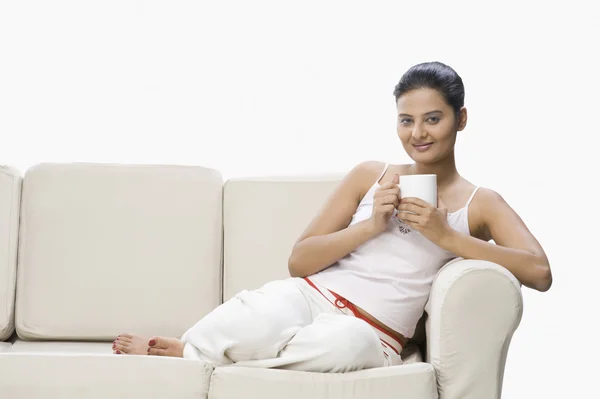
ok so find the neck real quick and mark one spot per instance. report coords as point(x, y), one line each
point(445, 170)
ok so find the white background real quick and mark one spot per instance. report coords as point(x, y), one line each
point(257, 88)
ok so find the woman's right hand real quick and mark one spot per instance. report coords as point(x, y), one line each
point(385, 200)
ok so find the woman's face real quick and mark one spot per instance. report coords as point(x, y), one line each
point(427, 125)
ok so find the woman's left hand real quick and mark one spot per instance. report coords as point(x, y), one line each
point(430, 221)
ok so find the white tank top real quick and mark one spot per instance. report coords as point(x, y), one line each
point(390, 275)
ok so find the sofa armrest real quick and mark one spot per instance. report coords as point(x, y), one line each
point(473, 310)
point(10, 197)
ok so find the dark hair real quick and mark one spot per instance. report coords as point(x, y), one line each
point(433, 75)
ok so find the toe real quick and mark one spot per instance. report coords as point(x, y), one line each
point(153, 342)
point(157, 352)
point(124, 339)
point(120, 346)
point(126, 335)
point(160, 342)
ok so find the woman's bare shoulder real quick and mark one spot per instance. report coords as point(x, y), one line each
point(364, 175)
point(393, 169)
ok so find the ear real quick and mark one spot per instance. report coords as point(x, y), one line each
point(462, 119)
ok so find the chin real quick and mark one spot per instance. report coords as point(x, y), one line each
point(423, 158)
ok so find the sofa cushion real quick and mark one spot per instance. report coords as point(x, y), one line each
point(106, 249)
point(88, 375)
point(10, 195)
point(262, 219)
point(61, 347)
point(415, 381)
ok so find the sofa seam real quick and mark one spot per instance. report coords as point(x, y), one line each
point(10, 301)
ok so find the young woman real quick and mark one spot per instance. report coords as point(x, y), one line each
point(363, 269)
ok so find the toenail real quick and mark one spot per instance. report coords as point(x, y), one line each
point(152, 342)
point(148, 350)
point(118, 352)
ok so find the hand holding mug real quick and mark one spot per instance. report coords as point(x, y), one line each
point(430, 221)
point(385, 200)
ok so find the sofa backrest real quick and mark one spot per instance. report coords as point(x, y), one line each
point(10, 195)
point(262, 219)
point(106, 249)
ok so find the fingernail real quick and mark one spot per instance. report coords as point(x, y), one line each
point(152, 343)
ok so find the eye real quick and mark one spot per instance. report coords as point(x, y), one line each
point(405, 121)
point(433, 119)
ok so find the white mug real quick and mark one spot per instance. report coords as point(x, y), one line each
point(419, 186)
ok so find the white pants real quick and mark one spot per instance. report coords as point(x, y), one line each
point(290, 325)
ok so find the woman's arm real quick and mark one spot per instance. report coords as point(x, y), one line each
point(328, 238)
point(517, 249)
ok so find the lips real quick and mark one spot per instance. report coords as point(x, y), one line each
point(422, 146)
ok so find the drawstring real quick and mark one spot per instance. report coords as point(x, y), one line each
point(341, 303)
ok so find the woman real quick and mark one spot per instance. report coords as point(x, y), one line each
point(363, 269)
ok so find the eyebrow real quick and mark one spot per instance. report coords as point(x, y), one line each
point(425, 114)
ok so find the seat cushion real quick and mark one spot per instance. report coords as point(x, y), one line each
point(10, 195)
point(262, 219)
point(414, 381)
point(106, 249)
point(5, 346)
point(73, 375)
point(59, 347)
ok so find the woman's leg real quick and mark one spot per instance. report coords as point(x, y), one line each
point(333, 343)
point(252, 325)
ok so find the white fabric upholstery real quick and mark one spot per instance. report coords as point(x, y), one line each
point(75, 376)
point(61, 347)
point(10, 197)
point(474, 309)
point(263, 218)
point(414, 381)
point(106, 249)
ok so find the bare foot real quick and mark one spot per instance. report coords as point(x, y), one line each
point(161, 346)
point(130, 344)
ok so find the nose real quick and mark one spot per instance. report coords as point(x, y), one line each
point(418, 132)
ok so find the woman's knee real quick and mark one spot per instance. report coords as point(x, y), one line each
point(354, 342)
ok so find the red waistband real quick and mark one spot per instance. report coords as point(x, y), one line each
point(341, 303)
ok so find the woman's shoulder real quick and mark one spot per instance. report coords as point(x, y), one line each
point(364, 175)
point(373, 169)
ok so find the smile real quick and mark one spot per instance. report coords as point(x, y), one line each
point(422, 147)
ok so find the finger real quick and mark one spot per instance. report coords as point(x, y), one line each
point(408, 207)
point(391, 191)
point(396, 179)
point(387, 208)
point(408, 217)
point(390, 199)
point(389, 184)
point(415, 201)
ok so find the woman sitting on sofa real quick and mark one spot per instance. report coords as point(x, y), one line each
point(363, 269)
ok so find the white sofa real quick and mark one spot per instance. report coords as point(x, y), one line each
point(104, 249)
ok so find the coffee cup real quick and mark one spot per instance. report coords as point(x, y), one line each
point(423, 187)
